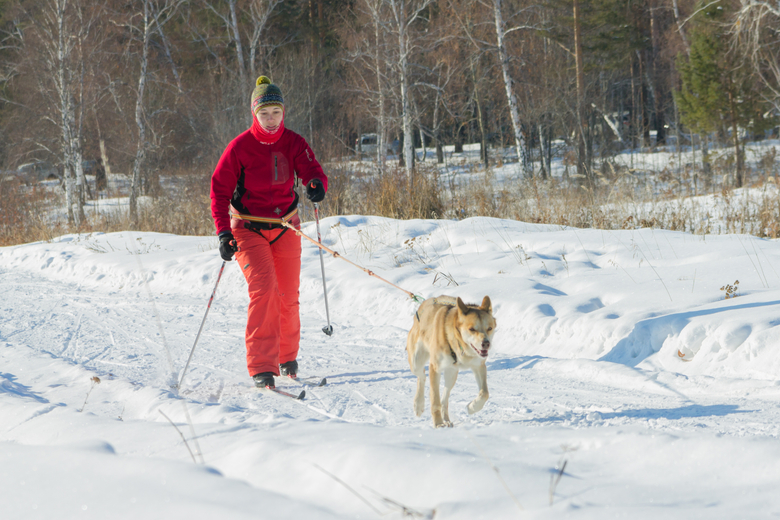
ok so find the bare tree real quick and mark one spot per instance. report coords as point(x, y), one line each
point(374, 7)
point(404, 14)
point(58, 42)
point(153, 16)
point(495, 7)
point(503, 58)
point(755, 32)
point(583, 168)
point(368, 56)
point(241, 67)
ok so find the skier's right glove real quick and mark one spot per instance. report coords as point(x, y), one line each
point(227, 245)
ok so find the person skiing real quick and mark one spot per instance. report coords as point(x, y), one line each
point(252, 193)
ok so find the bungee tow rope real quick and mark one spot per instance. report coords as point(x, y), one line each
point(284, 221)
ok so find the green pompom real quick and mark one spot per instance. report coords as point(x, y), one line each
point(263, 80)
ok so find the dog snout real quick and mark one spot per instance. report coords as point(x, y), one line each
point(485, 343)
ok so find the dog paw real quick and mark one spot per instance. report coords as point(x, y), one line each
point(443, 424)
point(475, 406)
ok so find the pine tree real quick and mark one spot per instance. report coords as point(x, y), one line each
point(717, 92)
point(702, 96)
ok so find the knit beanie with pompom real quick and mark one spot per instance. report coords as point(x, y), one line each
point(266, 94)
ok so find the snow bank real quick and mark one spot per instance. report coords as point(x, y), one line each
point(616, 353)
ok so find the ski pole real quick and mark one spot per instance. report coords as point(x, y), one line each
point(327, 329)
point(208, 307)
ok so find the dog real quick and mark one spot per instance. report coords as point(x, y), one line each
point(449, 336)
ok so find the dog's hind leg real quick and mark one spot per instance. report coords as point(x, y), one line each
point(481, 374)
point(450, 376)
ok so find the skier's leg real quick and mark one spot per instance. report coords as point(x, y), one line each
point(263, 322)
point(287, 261)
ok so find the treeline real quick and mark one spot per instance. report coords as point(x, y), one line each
point(160, 86)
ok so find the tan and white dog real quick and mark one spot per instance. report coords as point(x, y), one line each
point(449, 336)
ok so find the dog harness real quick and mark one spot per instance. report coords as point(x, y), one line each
point(452, 352)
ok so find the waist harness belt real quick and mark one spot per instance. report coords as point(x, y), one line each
point(258, 224)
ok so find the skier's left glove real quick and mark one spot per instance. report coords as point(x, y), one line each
point(315, 191)
point(227, 245)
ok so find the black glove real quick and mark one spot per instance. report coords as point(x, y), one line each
point(315, 191)
point(227, 246)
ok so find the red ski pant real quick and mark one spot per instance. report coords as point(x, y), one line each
point(272, 267)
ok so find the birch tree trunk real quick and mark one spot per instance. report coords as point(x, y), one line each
point(437, 136)
point(676, 11)
point(583, 169)
point(483, 152)
point(405, 13)
point(62, 30)
point(77, 126)
point(260, 11)
point(740, 176)
point(76, 158)
point(140, 153)
point(381, 137)
point(61, 86)
point(239, 49)
point(406, 106)
point(514, 111)
point(544, 147)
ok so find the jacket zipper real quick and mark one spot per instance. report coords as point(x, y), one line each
point(276, 171)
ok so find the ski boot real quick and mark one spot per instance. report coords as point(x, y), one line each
point(289, 369)
point(264, 380)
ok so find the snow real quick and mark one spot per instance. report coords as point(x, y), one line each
point(616, 354)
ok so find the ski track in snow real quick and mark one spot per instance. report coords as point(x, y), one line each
point(575, 352)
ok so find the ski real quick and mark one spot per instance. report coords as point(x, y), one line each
point(310, 381)
point(298, 397)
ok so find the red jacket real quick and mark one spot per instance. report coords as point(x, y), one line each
point(258, 179)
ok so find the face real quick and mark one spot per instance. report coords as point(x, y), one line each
point(270, 117)
point(477, 326)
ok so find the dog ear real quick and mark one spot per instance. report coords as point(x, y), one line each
point(486, 305)
point(462, 306)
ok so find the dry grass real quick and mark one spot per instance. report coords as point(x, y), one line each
point(23, 213)
point(182, 210)
point(388, 195)
point(620, 201)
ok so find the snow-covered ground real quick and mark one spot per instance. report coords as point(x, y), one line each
point(616, 355)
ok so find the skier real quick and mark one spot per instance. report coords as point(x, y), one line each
point(252, 193)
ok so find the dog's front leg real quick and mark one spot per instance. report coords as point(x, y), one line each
point(435, 377)
point(481, 374)
point(450, 376)
point(419, 396)
point(417, 359)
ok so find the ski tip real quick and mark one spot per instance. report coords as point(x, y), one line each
point(301, 395)
point(323, 382)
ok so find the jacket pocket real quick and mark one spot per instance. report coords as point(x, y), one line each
point(280, 169)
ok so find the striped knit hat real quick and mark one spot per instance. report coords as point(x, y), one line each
point(265, 94)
